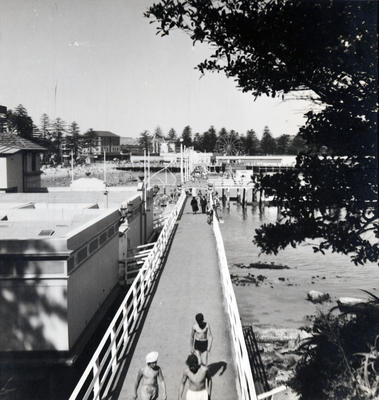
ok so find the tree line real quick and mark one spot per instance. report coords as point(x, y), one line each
point(50, 133)
point(228, 142)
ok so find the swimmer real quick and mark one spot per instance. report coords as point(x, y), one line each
point(150, 374)
point(201, 339)
point(199, 387)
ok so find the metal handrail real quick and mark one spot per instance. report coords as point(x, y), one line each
point(245, 382)
point(101, 370)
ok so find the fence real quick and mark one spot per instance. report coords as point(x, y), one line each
point(244, 376)
point(100, 372)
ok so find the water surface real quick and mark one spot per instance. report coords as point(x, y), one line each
point(282, 302)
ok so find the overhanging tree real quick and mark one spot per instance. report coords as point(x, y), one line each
point(329, 50)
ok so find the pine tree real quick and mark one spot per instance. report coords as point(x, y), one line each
point(251, 143)
point(74, 139)
point(268, 142)
point(209, 140)
point(187, 136)
point(282, 144)
point(20, 122)
point(45, 126)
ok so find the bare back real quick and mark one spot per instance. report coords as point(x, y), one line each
point(196, 381)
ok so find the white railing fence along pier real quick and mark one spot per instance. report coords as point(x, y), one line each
point(100, 373)
point(245, 380)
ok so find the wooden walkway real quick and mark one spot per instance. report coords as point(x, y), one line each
point(189, 284)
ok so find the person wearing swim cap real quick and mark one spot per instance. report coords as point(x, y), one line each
point(199, 384)
point(149, 377)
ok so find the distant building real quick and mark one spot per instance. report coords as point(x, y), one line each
point(130, 145)
point(19, 164)
point(108, 142)
point(161, 145)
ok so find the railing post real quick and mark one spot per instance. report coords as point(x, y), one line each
point(96, 386)
point(125, 327)
point(135, 303)
point(113, 350)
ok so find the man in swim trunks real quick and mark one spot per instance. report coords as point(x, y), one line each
point(150, 374)
point(199, 387)
point(201, 339)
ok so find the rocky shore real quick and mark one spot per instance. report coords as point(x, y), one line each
point(279, 353)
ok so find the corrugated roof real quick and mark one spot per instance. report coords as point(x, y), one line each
point(105, 134)
point(8, 150)
point(11, 143)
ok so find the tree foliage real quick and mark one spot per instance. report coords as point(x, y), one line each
point(145, 141)
point(340, 359)
point(74, 140)
point(251, 143)
point(90, 140)
point(329, 50)
point(45, 126)
point(282, 144)
point(20, 122)
point(172, 134)
point(209, 139)
point(187, 136)
point(268, 144)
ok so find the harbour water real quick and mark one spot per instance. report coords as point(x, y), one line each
point(279, 299)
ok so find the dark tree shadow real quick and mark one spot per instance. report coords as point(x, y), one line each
point(24, 309)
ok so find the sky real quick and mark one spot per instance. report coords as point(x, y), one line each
point(101, 64)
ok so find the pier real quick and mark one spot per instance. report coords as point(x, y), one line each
point(185, 273)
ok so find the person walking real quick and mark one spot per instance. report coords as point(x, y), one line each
point(149, 376)
point(203, 204)
point(199, 385)
point(201, 339)
point(194, 205)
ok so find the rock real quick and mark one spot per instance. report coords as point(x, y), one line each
point(283, 376)
point(358, 306)
point(263, 265)
point(282, 279)
point(317, 297)
point(280, 335)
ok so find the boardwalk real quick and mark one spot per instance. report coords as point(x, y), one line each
point(189, 284)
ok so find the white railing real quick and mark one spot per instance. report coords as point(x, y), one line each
point(245, 380)
point(100, 372)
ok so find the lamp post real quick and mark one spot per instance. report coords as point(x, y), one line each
point(181, 161)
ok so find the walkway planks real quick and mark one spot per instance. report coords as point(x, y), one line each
point(189, 284)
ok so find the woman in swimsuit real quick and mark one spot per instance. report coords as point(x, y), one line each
point(199, 387)
point(201, 339)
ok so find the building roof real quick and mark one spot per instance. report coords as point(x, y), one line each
point(11, 143)
point(105, 134)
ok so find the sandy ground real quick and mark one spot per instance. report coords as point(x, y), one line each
point(61, 176)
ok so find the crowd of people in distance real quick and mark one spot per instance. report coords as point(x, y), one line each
point(205, 205)
point(195, 374)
